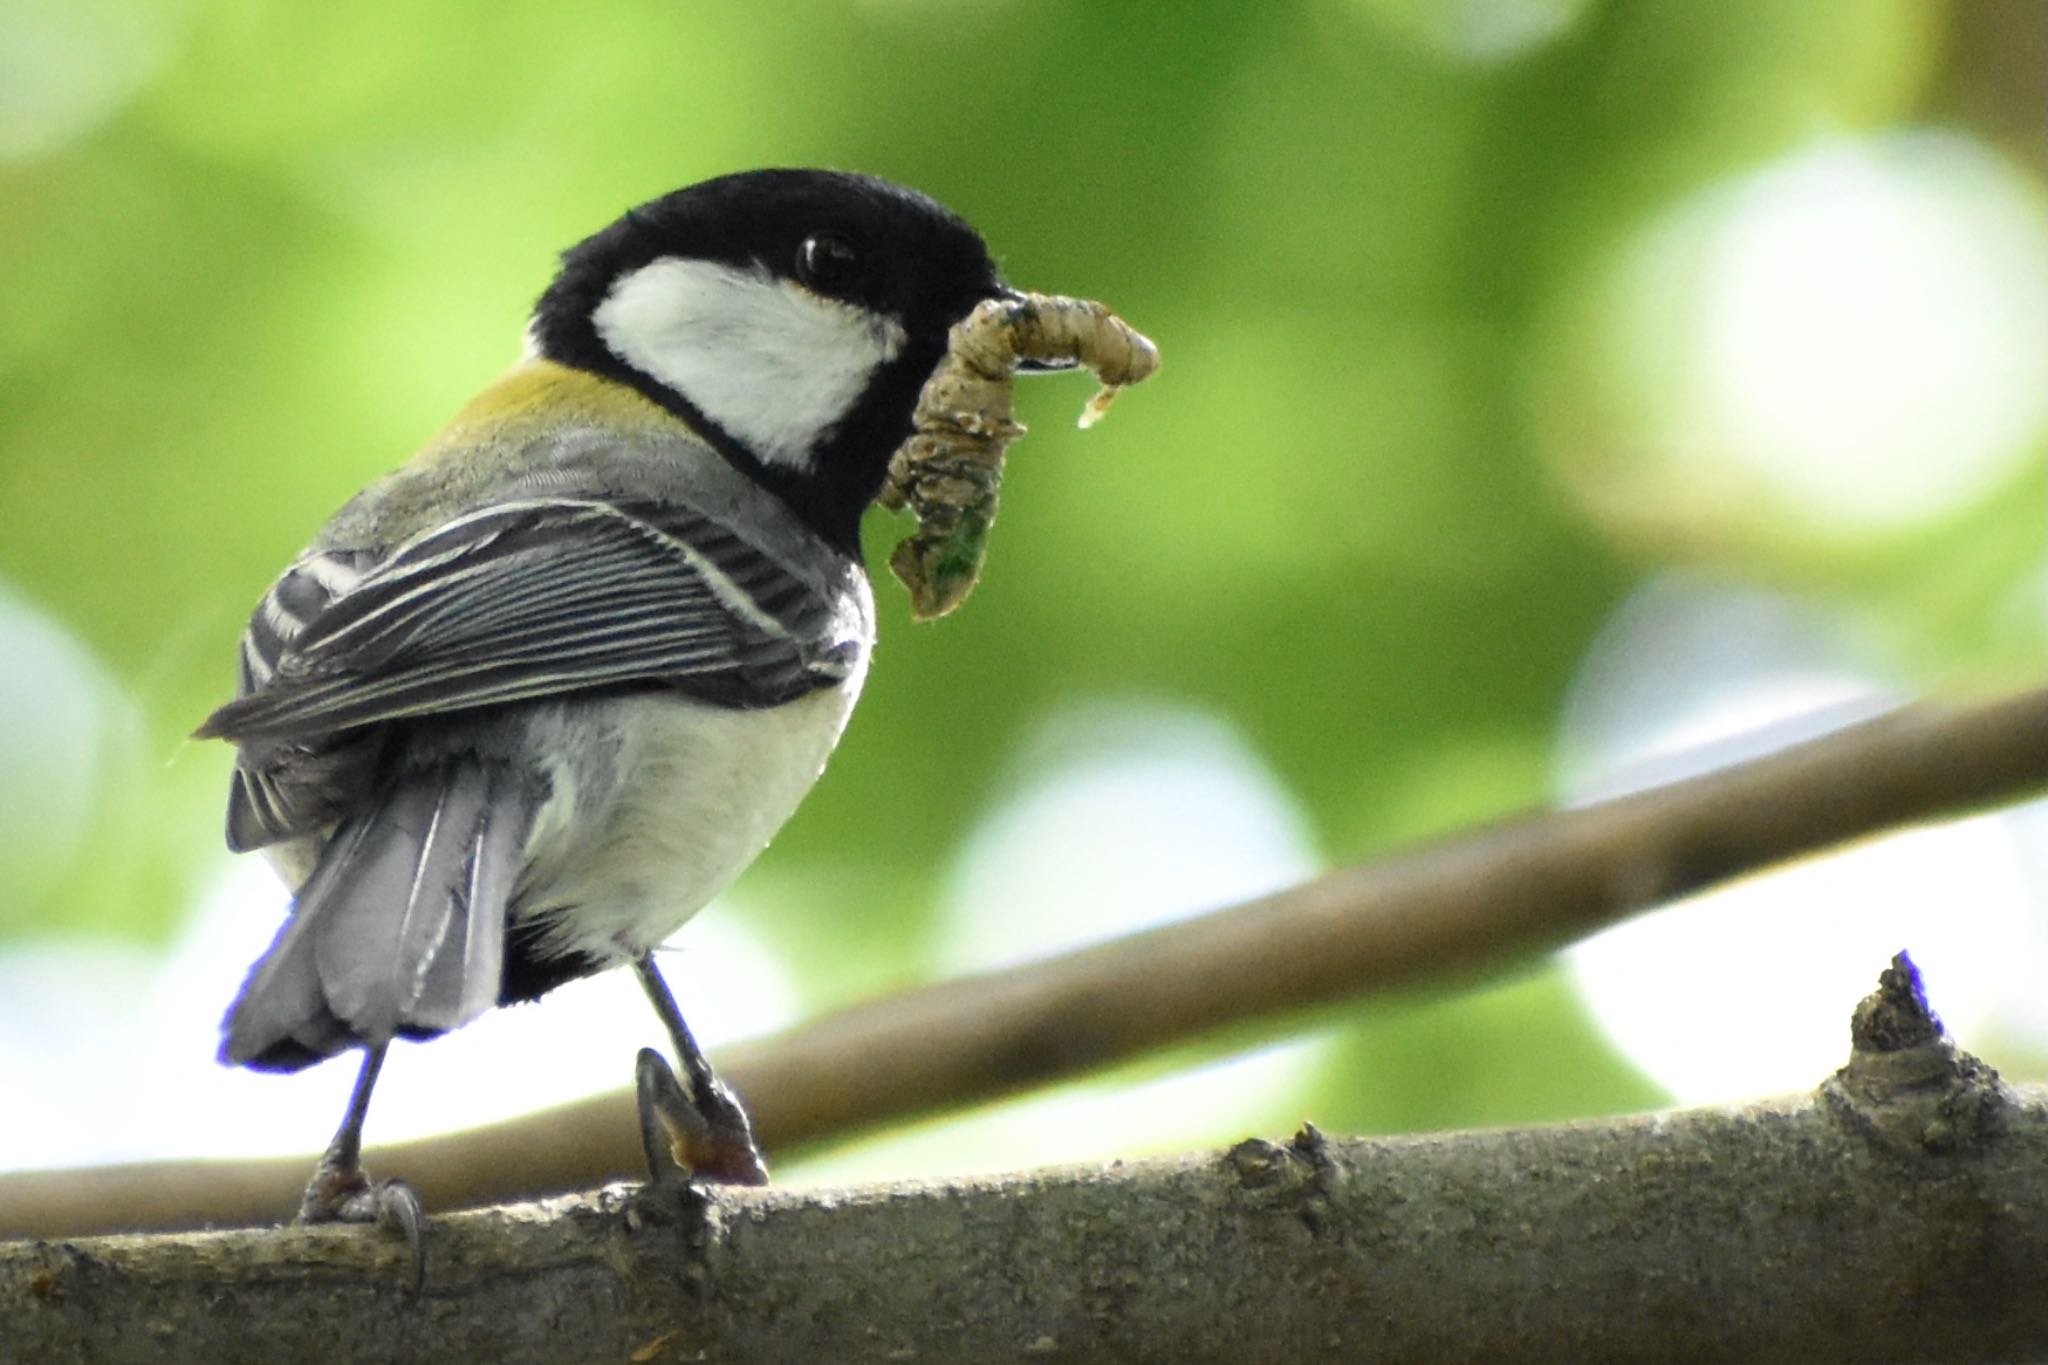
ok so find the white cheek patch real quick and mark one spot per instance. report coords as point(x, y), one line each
point(773, 364)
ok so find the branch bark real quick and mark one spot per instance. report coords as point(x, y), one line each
point(1442, 911)
point(1900, 1213)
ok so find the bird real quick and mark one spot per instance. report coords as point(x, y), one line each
point(528, 702)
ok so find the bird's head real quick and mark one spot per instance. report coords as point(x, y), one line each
point(790, 316)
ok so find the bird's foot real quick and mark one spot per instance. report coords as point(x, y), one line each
point(703, 1137)
point(340, 1192)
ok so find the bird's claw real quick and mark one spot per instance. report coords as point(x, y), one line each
point(706, 1137)
point(341, 1192)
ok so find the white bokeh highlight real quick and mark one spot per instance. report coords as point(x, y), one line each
point(68, 66)
point(69, 738)
point(1855, 334)
point(132, 1075)
point(1691, 675)
point(1477, 32)
point(1127, 815)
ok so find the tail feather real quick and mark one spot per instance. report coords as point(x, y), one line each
point(462, 978)
point(401, 927)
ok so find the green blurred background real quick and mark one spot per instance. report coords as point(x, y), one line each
point(1479, 318)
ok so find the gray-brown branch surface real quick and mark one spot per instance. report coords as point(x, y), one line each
point(1474, 901)
point(1900, 1213)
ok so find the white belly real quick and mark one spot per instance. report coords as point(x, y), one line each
point(663, 803)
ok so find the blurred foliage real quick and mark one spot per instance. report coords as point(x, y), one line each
point(252, 253)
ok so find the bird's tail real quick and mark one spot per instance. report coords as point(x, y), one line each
point(401, 928)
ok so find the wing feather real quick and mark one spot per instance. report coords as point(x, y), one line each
point(525, 600)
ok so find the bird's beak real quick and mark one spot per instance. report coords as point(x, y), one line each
point(1003, 291)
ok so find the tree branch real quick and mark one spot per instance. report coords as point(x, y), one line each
point(1445, 910)
point(1900, 1213)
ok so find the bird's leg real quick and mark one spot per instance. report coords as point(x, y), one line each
point(693, 1127)
point(340, 1192)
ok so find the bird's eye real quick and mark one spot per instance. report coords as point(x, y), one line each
point(828, 264)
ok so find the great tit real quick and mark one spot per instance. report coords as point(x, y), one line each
point(529, 702)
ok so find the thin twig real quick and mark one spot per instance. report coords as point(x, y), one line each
point(1443, 911)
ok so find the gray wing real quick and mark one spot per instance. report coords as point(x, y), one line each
point(521, 600)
